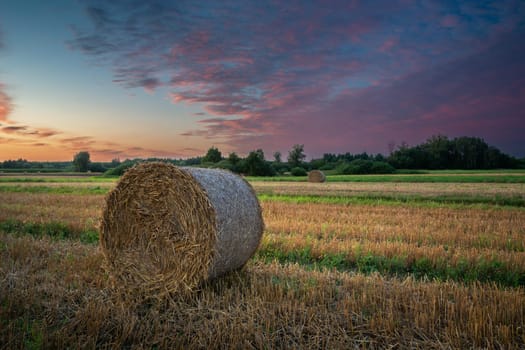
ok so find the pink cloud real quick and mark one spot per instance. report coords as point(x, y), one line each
point(6, 105)
point(388, 44)
point(343, 77)
point(450, 21)
point(480, 95)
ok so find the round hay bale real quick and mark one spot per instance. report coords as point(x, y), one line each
point(316, 176)
point(167, 229)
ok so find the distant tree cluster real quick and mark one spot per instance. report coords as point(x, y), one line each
point(255, 163)
point(21, 165)
point(81, 163)
point(348, 163)
point(438, 152)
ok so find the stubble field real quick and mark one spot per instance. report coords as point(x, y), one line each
point(341, 265)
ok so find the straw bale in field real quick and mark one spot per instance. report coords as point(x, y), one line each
point(316, 176)
point(166, 229)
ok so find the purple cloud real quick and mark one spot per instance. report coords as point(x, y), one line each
point(337, 76)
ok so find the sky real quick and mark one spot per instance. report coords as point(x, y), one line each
point(161, 78)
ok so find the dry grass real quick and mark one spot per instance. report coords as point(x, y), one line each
point(55, 295)
point(468, 228)
point(499, 230)
point(166, 229)
point(444, 237)
point(158, 231)
point(80, 212)
point(441, 235)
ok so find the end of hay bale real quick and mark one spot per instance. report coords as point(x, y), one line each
point(316, 176)
point(238, 218)
point(167, 229)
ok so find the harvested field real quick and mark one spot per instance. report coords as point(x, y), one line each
point(327, 275)
point(59, 295)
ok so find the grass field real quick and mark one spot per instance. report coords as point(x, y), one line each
point(440, 177)
point(341, 265)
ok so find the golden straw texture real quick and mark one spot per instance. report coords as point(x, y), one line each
point(166, 229)
point(316, 176)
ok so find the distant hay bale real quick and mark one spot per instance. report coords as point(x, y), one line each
point(316, 176)
point(167, 229)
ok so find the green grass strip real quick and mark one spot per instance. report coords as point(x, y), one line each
point(465, 171)
point(464, 271)
point(434, 177)
point(54, 230)
point(379, 199)
point(54, 189)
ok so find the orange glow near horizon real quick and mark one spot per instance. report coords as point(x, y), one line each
point(34, 153)
point(37, 145)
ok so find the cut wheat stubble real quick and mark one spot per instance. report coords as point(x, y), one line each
point(167, 229)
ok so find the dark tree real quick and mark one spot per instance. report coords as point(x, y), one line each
point(296, 155)
point(439, 152)
point(213, 155)
point(192, 161)
point(255, 165)
point(81, 161)
point(330, 157)
point(277, 157)
point(233, 158)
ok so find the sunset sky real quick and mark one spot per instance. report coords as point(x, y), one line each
point(172, 78)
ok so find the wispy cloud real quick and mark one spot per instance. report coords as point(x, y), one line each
point(25, 130)
point(335, 76)
point(14, 129)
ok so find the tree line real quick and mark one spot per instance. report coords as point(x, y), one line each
point(438, 152)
